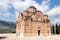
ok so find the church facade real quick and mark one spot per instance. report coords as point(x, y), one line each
point(32, 22)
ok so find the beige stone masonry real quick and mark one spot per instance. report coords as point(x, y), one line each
point(33, 23)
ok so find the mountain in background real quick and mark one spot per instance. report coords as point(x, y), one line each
point(7, 27)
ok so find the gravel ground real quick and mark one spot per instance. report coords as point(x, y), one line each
point(14, 37)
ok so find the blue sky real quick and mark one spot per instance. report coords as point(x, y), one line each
point(9, 9)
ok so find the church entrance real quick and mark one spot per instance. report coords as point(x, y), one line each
point(38, 32)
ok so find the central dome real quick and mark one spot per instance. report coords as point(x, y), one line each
point(31, 9)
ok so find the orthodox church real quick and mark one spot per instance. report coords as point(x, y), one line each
point(32, 22)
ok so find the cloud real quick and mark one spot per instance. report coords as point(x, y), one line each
point(7, 14)
point(57, 20)
point(21, 5)
point(4, 5)
point(43, 6)
point(54, 11)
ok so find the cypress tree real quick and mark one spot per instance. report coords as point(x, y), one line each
point(57, 29)
point(52, 29)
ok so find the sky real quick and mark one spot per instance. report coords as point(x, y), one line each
point(9, 9)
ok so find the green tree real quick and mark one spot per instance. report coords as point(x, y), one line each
point(57, 29)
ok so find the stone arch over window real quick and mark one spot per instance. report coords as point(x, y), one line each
point(39, 19)
point(39, 13)
point(34, 17)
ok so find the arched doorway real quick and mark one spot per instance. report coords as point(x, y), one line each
point(38, 32)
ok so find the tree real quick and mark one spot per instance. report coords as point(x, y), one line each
point(57, 29)
point(52, 29)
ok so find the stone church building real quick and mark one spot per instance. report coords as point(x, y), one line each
point(32, 22)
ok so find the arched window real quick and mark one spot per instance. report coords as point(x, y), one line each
point(46, 20)
point(39, 19)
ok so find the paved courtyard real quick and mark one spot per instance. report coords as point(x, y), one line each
point(14, 37)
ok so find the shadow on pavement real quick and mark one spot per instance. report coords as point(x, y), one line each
point(3, 37)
